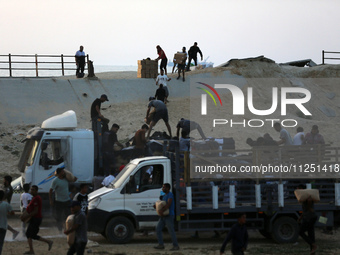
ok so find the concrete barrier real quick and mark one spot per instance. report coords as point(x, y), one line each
point(32, 100)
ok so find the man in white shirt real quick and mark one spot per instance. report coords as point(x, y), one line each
point(163, 79)
point(80, 61)
point(299, 137)
point(25, 199)
point(285, 137)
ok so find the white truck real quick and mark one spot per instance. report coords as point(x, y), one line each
point(126, 205)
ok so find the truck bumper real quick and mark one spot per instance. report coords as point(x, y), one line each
point(97, 219)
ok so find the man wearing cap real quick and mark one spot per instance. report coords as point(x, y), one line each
point(95, 110)
point(80, 227)
point(160, 112)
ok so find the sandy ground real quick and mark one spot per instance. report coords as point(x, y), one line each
point(328, 244)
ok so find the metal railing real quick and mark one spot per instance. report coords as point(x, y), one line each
point(329, 52)
point(37, 63)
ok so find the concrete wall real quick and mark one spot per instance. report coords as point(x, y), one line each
point(32, 100)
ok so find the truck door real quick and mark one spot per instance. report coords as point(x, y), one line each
point(143, 191)
point(49, 159)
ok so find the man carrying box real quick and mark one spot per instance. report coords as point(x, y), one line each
point(181, 63)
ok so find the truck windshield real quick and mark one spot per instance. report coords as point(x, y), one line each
point(122, 176)
point(28, 155)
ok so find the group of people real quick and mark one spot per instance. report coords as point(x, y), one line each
point(182, 67)
point(300, 138)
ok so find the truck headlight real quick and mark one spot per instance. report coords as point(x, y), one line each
point(94, 203)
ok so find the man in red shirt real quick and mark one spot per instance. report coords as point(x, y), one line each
point(164, 59)
point(34, 213)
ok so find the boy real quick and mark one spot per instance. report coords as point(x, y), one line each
point(82, 198)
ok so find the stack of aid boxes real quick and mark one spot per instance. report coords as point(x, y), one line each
point(147, 68)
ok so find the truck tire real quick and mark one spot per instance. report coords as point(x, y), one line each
point(119, 230)
point(285, 230)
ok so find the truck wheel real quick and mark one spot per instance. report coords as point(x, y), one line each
point(285, 230)
point(119, 230)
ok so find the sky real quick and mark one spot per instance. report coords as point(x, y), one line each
point(122, 32)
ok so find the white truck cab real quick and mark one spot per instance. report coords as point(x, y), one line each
point(58, 143)
point(127, 203)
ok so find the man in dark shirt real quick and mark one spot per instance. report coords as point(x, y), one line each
point(95, 110)
point(160, 93)
point(193, 54)
point(238, 236)
point(160, 112)
point(189, 126)
point(82, 197)
point(109, 140)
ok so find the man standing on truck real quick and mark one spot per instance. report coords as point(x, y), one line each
point(188, 126)
point(285, 137)
point(167, 220)
point(62, 200)
point(109, 140)
point(238, 236)
point(8, 196)
point(95, 110)
point(140, 142)
point(160, 112)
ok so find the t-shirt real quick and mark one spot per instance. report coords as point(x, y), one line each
point(159, 105)
point(297, 140)
point(184, 144)
point(8, 193)
point(162, 55)
point(107, 180)
point(194, 50)
point(162, 79)
point(36, 202)
point(239, 238)
point(25, 198)
point(140, 140)
point(314, 139)
point(80, 55)
point(94, 112)
point(60, 186)
point(5, 208)
point(286, 136)
point(81, 232)
point(109, 139)
point(160, 94)
point(172, 206)
point(83, 199)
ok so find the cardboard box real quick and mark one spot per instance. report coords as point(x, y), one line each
point(303, 194)
point(179, 58)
